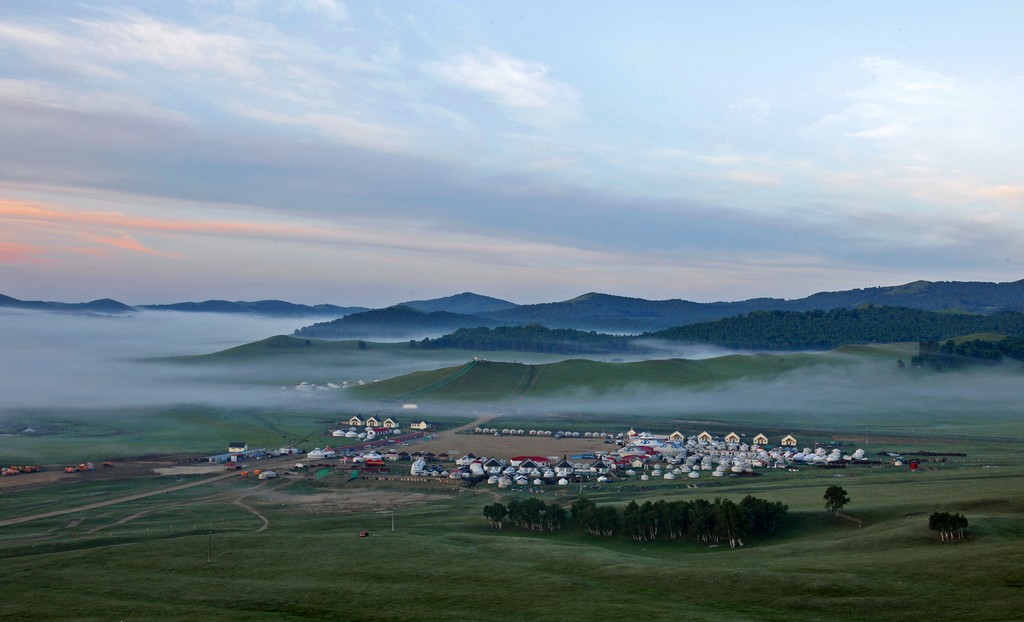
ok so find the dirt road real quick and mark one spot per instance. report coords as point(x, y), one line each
point(102, 504)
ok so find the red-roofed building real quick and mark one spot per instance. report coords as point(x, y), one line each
point(539, 460)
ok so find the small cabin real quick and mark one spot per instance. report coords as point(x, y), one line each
point(760, 439)
point(372, 422)
point(419, 425)
point(356, 420)
point(676, 436)
point(705, 437)
point(390, 423)
point(788, 441)
point(732, 437)
point(235, 447)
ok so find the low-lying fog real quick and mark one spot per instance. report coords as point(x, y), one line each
point(78, 360)
point(54, 360)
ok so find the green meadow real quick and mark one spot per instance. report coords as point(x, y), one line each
point(289, 549)
point(204, 553)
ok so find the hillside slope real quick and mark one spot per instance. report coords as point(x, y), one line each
point(490, 381)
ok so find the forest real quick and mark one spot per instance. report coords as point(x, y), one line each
point(826, 330)
point(966, 353)
point(533, 338)
point(760, 330)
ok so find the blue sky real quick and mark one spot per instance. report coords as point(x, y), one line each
point(367, 153)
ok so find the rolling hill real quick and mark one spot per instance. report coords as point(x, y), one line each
point(466, 303)
point(103, 305)
point(398, 322)
point(490, 381)
point(276, 308)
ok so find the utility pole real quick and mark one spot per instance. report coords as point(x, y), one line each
point(392, 520)
point(209, 549)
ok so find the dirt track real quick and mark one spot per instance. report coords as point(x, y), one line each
point(506, 446)
point(101, 504)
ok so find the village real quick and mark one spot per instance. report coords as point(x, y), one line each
point(373, 448)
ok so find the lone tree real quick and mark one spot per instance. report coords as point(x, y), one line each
point(835, 499)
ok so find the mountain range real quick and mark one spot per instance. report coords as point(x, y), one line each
point(591, 311)
point(623, 315)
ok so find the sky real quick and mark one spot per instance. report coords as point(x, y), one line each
point(366, 153)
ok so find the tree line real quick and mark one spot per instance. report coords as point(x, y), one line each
point(825, 330)
point(532, 338)
point(759, 330)
point(973, 352)
point(700, 520)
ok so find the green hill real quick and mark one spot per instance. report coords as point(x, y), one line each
point(497, 381)
point(398, 322)
point(278, 348)
point(533, 338)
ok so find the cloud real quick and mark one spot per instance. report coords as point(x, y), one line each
point(344, 129)
point(11, 252)
point(508, 81)
point(331, 9)
point(754, 178)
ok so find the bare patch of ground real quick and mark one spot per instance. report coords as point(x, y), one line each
point(204, 469)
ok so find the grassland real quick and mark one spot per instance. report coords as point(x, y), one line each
point(495, 380)
point(289, 549)
point(148, 560)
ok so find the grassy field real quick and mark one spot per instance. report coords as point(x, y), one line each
point(148, 560)
point(496, 381)
point(288, 549)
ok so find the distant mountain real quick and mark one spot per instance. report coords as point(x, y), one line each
point(591, 311)
point(103, 305)
point(966, 296)
point(278, 308)
point(619, 314)
point(466, 303)
point(398, 322)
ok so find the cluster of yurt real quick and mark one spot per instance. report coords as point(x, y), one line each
point(349, 433)
point(320, 454)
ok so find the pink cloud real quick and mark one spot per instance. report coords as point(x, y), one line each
point(11, 253)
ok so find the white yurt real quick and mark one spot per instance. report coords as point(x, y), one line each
point(563, 482)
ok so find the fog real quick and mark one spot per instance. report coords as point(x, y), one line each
point(55, 360)
point(843, 393)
